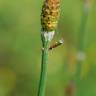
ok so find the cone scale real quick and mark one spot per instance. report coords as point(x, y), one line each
point(50, 15)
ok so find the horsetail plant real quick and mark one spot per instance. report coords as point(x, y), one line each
point(71, 89)
point(82, 37)
point(49, 20)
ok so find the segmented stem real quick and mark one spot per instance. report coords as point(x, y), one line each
point(44, 63)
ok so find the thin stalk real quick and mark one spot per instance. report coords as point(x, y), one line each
point(70, 88)
point(82, 37)
point(81, 48)
point(44, 63)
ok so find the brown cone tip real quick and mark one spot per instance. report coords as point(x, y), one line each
point(50, 15)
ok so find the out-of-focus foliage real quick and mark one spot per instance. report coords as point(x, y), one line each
point(20, 49)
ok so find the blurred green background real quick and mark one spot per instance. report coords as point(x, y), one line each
point(20, 49)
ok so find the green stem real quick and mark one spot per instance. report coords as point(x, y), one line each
point(82, 37)
point(44, 63)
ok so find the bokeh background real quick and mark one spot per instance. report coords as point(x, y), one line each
point(20, 49)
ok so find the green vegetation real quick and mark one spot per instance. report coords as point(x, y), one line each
point(20, 49)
